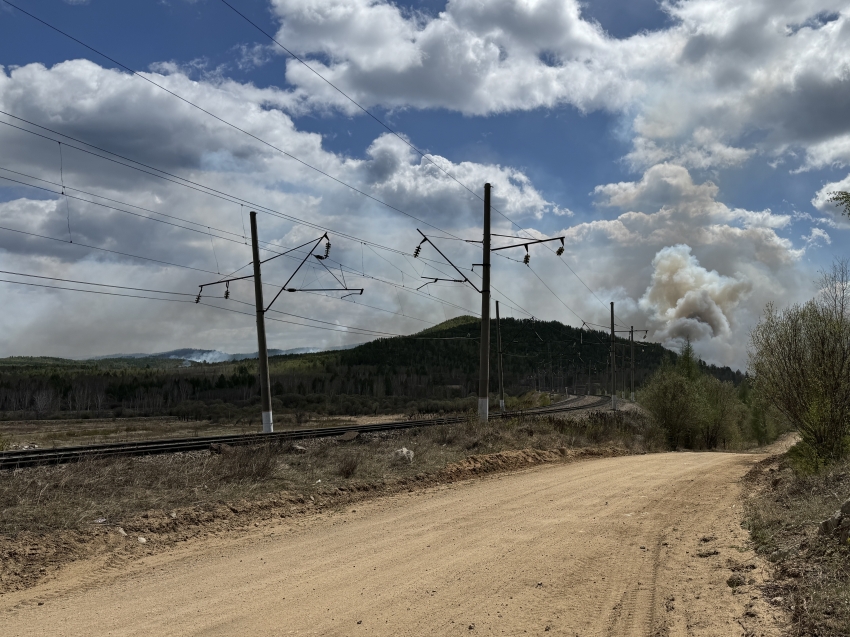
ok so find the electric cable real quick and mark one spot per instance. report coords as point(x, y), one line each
point(222, 120)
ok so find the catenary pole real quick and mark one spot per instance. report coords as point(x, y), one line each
point(262, 349)
point(484, 371)
point(632, 357)
point(613, 363)
point(501, 373)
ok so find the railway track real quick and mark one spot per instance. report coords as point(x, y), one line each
point(31, 457)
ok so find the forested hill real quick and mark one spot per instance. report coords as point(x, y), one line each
point(433, 370)
point(536, 355)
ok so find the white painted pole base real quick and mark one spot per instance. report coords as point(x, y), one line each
point(268, 427)
point(502, 405)
point(483, 409)
point(633, 396)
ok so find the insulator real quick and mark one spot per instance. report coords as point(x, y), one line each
point(560, 251)
point(526, 259)
point(198, 298)
point(417, 251)
point(327, 249)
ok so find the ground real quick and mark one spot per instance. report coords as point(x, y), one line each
point(635, 545)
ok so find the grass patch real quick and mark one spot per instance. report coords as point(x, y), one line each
point(811, 572)
point(73, 496)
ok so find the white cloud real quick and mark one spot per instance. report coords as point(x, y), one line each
point(127, 115)
point(726, 81)
point(686, 264)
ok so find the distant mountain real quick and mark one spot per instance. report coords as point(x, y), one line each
point(216, 356)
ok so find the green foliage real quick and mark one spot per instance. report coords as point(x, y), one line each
point(841, 199)
point(801, 360)
point(698, 411)
point(430, 372)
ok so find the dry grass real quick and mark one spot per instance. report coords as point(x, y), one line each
point(811, 572)
point(72, 496)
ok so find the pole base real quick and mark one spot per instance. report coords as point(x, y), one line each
point(268, 426)
point(502, 405)
point(483, 409)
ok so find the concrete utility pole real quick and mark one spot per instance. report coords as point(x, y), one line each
point(501, 374)
point(613, 363)
point(632, 355)
point(484, 373)
point(262, 350)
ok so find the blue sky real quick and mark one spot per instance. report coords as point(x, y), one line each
point(670, 146)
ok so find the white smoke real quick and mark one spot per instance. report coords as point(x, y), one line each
point(685, 300)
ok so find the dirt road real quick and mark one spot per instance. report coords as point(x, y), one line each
point(638, 545)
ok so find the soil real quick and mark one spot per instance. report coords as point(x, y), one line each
point(633, 545)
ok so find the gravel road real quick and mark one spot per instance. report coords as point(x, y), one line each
point(637, 545)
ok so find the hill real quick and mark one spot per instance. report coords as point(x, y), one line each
point(433, 370)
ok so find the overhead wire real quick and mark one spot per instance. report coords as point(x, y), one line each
point(395, 133)
point(197, 230)
point(222, 120)
point(130, 70)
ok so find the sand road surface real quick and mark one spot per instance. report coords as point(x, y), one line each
point(637, 545)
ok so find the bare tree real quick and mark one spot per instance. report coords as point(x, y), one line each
point(81, 395)
point(801, 360)
point(43, 400)
point(99, 394)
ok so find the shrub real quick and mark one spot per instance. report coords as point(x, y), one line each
point(801, 360)
point(348, 466)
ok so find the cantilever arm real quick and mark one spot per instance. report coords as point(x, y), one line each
point(448, 261)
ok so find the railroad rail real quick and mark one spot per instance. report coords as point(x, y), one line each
point(31, 457)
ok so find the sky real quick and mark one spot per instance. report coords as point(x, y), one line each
point(684, 151)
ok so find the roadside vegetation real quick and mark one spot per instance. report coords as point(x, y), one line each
point(801, 360)
point(73, 496)
point(696, 410)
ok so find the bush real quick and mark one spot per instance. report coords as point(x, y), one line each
point(249, 463)
point(801, 360)
point(348, 466)
point(695, 410)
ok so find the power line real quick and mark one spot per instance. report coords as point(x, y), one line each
point(187, 101)
point(358, 331)
point(105, 285)
point(222, 120)
point(350, 99)
point(393, 132)
point(429, 297)
point(192, 185)
point(124, 254)
point(130, 70)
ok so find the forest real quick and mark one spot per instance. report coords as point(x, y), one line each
point(433, 371)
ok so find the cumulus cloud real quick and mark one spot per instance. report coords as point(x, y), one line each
point(128, 116)
point(724, 82)
point(686, 264)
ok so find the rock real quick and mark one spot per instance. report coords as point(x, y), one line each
point(142, 540)
point(403, 454)
point(348, 436)
point(828, 526)
point(735, 581)
point(299, 449)
point(173, 515)
point(121, 531)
